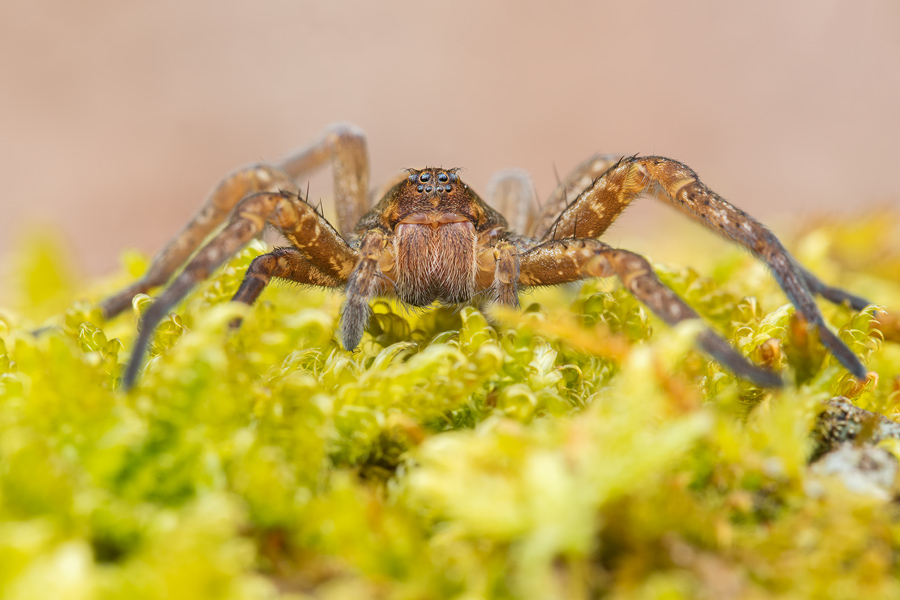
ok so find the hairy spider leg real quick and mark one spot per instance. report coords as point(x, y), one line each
point(282, 263)
point(341, 144)
point(315, 239)
point(511, 193)
point(344, 146)
point(578, 180)
point(218, 206)
point(599, 205)
point(833, 294)
point(364, 283)
point(563, 261)
point(500, 259)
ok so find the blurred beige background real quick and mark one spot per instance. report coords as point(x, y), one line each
point(117, 117)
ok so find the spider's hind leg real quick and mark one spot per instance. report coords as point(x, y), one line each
point(344, 146)
point(511, 193)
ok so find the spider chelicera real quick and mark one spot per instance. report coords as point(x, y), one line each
point(431, 238)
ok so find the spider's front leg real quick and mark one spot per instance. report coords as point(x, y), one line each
point(599, 205)
point(221, 201)
point(563, 261)
point(568, 190)
point(282, 263)
point(320, 257)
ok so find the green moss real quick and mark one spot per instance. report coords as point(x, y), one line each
point(578, 448)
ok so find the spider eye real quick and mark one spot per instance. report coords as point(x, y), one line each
point(420, 188)
point(454, 177)
point(424, 177)
point(443, 177)
point(428, 189)
point(412, 178)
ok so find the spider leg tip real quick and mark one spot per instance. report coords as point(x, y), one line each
point(768, 379)
point(759, 376)
point(860, 372)
point(130, 377)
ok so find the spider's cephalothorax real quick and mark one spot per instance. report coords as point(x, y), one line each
point(431, 238)
point(439, 228)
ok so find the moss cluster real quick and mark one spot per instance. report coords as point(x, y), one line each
point(576, 449)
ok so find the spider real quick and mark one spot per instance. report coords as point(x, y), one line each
point(431, 238)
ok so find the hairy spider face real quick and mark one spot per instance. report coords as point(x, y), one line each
point(433, 217)
point(433, 197)
point(435, 225)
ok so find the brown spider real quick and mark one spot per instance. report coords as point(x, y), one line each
point(431, 238)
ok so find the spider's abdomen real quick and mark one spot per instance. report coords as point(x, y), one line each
point(434, 261)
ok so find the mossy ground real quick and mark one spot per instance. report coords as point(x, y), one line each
point(577, 449)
